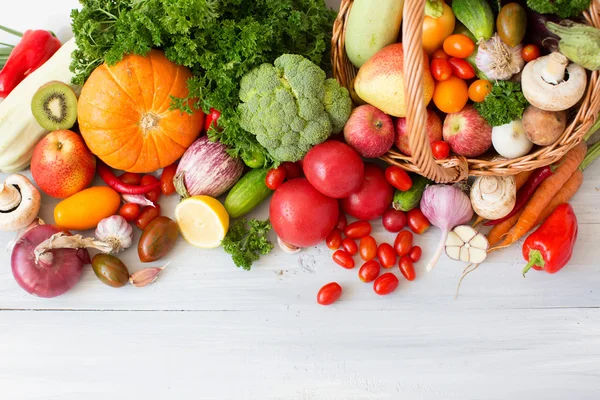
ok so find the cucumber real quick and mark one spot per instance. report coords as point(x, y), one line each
point(247, 193)
point(406, 201)
point(477, 16)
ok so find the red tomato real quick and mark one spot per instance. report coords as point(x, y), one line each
point(393, 220)
point(292, 170)
point(275, 177)
point(373, 198)
point(407, 268)
point(386, 255)
point(211, 118)
point(342, 222)
point(301, 215)
point(415, 253)
point(458, 45)
point(350, 246)
point(334, 169)
point(403, 243)
point(440, 69)
point(461, 68)
point(146, 216)
point(385, 284)
point(131, 178)
point(439, 53)
point(530, 52)
point(358, 229)
point(417, 222)
point(129, 211)
point(440, 150)
point(343, 259)
point(369, 271)
point(367, 248)
point(334, 240)
point(329, 294)
point(166, 179)
point(154, 194)
point(398, 178)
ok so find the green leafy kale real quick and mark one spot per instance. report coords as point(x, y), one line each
point(562, 8)
point(247, 242)
point(504, 104)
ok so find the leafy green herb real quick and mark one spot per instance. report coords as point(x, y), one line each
point(504, 104)
point(246, 242)
point(562, 8)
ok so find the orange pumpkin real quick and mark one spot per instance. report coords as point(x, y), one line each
point(124, 115)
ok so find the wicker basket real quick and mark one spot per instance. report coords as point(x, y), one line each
point(458, 168)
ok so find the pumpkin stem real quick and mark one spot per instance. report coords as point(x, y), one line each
point(149, 121)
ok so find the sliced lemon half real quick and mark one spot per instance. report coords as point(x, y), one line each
point(203, 221)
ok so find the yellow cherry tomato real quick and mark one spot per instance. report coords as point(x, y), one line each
point(451, 95)
point(479, 90)
point(85, 209)
point(435, 30)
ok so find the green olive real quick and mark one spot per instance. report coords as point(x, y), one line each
point(110, 270)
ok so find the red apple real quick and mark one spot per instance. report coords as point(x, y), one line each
point(369, 131)
point(62, 165)
point(433, 129)
point(467, 132)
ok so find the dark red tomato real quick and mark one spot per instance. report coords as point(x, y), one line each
point(358, 229)
point(147, 215)
point(393, 220)
point(403, 243)
point(385, 284)
point(301, 215)
point(440, 69)
point(329, 294)
point(154, 194)
point(211, 118)
point(440, 150)
point(334, 240)
point(386, 255)
point(292, 170)
point(131, 178)
point(334, 169)
point(461, 68)
point(398, 178)
point(275, 177)
point(407, 268)
point(342, 222)
point(439, 53)
point(373, 198)
point(369, 271)
point(129, 211)
point(417, 222)
point(166, 179)
point(415, 253)
point(530, 52)
point(350, 246)
point(367, 248)
point(343, 259)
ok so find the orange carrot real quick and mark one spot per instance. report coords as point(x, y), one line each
point(496, 234)
point(522, 177)
point(563, 196)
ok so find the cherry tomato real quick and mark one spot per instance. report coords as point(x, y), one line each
point(403, 243)
point(329, 294)
point(439, 53)
point(386, 255)
point(275, 177)
point(292, 170)
point(367, 248)
point(373, 198)
point(166, 179)
point(458, 45)
point(211, 120)
point(131, 178)
point(393, 220)
point(440, 69)
point(369, 271)
point(342, 222)
point(415, 253)
point(358, 229)
point(154, 194)
point(479, 90)
point(343, 259)
point(398, 178)
point(129, 211)
point(407, 268)
point(417, 222)
point(385, 284)
point(451, 95)
point(334, 240)
point(147, 214)
point(350, 246)
point(440, 150)
point(461, 68)
point(530, 52)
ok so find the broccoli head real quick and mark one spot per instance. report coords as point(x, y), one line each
point(562, 8)
point(291, 106)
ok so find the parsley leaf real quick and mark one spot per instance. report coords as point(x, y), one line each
point(505, 103)
point(246, 242)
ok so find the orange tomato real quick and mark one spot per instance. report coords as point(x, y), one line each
point(451, 95)
point(84, 210)
point(479, 90)
point(459, 46)
point(435, 30)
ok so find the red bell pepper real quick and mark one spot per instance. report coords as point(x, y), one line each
point(34, 49)
point(550, 247)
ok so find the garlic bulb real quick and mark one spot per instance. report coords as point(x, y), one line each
point(494, 197)
point(116, 232)
point(497, 60)
point(466, 244)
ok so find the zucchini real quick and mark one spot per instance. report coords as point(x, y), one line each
point(477, 16)
point(247, 193)
point(406, 201)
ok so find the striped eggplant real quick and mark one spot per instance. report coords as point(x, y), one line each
point(207, 169)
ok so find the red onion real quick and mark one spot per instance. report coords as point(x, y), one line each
point(55, 272)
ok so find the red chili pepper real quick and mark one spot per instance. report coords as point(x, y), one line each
point(550, 247)
point(115, 183)
point(211, 120)
point(525, 193)
point(34, 49)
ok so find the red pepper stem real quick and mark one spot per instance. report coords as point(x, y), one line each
point(535, 259)
point(11, 31)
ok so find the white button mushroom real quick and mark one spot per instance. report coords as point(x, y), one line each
point(19, 203)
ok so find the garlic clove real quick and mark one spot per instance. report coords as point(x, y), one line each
point(477, 255)
point(287, 248)
point(465, 233)
point(453, 252)
point(454, 240)
point(464, 253)
point(479, 242)
point(467, 245)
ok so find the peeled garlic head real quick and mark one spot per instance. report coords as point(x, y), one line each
point(467, 245)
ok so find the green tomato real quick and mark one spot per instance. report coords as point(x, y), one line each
point(253, 159)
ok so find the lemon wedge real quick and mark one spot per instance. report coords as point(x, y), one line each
point(203, 221)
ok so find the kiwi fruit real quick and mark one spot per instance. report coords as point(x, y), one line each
point(54, 106)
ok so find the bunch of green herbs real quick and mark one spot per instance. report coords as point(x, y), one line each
point(505, 103)
point(247, 241)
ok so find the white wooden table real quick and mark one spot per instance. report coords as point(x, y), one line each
point(207, 330)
